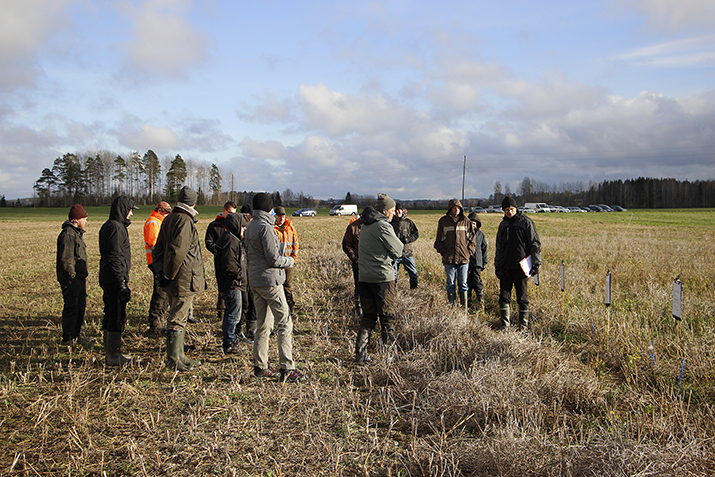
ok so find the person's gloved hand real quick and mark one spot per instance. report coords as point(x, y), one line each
point(125, 294)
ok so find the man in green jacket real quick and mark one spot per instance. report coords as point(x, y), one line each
point(378, 249)
point(178, 261)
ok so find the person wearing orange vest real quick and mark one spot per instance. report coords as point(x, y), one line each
point(159, 305)
point(288, 238)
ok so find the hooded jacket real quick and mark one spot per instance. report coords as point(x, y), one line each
point(265, 262)
point(230, 256)
point(114, 249)
point(378, 248)
point(71, 254)
point(479, 258)
point(455, 239)
point(351, 239)
point(177, 253)
point(213, 232)
point(516, 238)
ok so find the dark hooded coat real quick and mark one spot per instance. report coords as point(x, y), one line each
point(230, 256)
point(116, 256)
point(71, 254)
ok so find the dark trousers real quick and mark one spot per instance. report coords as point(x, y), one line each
point(474, 280)
point(115, 310)
point(248, 312)
point(288, 288)
point(158, 306)
point(75, 298)
point(378, 300)
point(516, 279)
point(356, 278)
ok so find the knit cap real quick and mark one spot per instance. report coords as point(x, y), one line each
point(187, 196)
point(77, 212)
point(384, 202)
point(508, 202)
point(263, 201)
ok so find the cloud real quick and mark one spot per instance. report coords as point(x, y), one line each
point(686, 52)
point(163, 41)
point(676, 15)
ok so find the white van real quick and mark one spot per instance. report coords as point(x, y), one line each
point(344, 210)
point(538, 206)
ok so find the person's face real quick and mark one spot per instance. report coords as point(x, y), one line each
point(510, 211)
point(225, 212)
point(454, 210)
point(131, 212)
point(280, 219)
point(81, 223)
point(389, 213)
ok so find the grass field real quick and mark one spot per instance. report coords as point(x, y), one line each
point(593, 390)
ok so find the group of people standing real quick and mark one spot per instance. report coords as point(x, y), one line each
point(381, 239)
point(246, 249)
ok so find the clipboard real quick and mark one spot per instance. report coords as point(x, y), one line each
point(526, 265)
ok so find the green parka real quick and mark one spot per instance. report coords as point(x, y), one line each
point(378, 248)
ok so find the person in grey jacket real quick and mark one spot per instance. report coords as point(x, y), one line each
point(178, 261)
point(378, 249)
point(477, 262)
point(266, 275)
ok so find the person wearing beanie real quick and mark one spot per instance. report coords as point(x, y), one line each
point(456, 242)
point(477, 262)
point(407, 232)
point(288, 238)
point(159, 304)
point(378, 248)
point(266, 275)
point(516, 239)
point(213, 232)
point(114, 266)
point(178, 262)
point(72, 273)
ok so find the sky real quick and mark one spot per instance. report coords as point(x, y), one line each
point(326, 97)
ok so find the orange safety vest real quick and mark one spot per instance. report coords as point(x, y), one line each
point(151, 233)
point(288, 238)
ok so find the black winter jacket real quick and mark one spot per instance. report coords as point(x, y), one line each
point(516, 238)
point(114, 249)
point(71, 254)
point(230, 256)
point(407, 232)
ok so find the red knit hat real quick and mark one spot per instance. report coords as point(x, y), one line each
point(77, 212)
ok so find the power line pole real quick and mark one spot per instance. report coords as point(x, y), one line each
point(464, 173)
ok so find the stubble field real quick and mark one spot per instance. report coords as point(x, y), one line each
point(615, 391)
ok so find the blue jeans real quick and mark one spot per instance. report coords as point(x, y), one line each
point(458, 271)
point(409, 264)
point(231, 314)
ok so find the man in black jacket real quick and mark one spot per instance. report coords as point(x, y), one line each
point(214, 231)
point(231, 278)
point(516, 240)
point(114, 265)
point(407, 232)
point(72, 273)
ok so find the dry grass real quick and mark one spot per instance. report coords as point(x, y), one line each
point(580, 396)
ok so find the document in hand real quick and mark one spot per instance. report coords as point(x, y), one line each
point(526, 265)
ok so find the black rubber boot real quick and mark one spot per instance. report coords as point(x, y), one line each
point(463, 300)
point(504, 311)
point(523, 318)
point(452, 298)
point(113, 349)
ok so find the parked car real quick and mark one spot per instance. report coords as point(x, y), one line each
point(538, 206)
point(558, 208)
point(494, 209)
point(595, 208)
point(575, 209)
point(605, 208)
point(479, 210)
point(528, 210)
point(305, 212)
point(618, 208)
point(348, 209)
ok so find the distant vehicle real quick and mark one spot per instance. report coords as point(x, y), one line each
point(595, 208)
point(528, 210)
point(558, 208)
point(479, 210)
point(538, 206)
point(305, 212)
point(575, 209)
point(344, 210)
point(618, 208)
point(605, 208)
point(494, 209)
point(586, 209)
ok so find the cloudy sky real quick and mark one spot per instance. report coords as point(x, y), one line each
point(327, 97)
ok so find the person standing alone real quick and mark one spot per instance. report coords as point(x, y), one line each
point(516, 239)
point(72, 273)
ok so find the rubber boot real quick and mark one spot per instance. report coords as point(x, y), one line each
point(184, 359)
point(113, 349)
point(413, 284)
point(463, 300)
point(452, 298)
point(387, 334)
point(174, 351)
point(523, 318)
point(504, 311)
point(361, 344)
point(480, 299)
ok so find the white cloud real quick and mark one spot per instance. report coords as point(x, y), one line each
point(685, 52)
point(164, 41)
point(676, 15)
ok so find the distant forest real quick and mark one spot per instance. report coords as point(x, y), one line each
point(96, 178)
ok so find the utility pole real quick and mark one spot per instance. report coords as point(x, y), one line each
point(464, 174)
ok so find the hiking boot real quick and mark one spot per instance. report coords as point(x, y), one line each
point(264, 373)
point(292, 376)
point(231, 348)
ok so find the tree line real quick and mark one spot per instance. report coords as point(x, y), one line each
point(96, 178)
